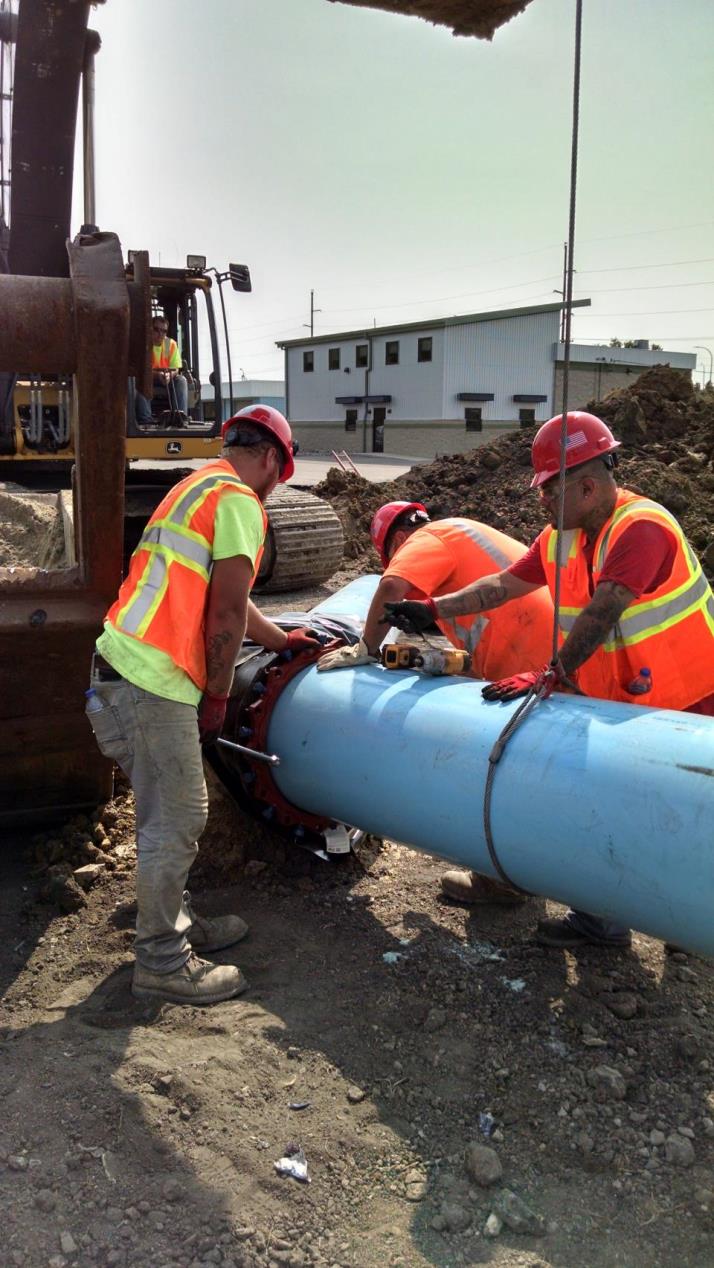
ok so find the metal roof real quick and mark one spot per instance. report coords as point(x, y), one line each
point(436, 323)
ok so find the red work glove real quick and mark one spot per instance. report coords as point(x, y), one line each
point(211, 716)
point(543, 681)
point(299, 640)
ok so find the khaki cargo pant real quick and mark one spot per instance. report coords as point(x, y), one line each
point(155, 742)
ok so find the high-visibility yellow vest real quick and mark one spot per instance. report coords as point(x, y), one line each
point(670, 630)
point(162, 602)
point(165, 355)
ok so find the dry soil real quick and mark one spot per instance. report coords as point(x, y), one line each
point(389, 1033)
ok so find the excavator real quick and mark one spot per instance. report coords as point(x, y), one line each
point(38, 412)
point(75, 349)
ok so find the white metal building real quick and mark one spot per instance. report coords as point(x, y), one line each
point(439, 386)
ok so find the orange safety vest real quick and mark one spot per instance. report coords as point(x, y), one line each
point(670, 630)
point(508, 640)
point(163, 599)
point(168, 348)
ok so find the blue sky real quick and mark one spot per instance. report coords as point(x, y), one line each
point(402, 173)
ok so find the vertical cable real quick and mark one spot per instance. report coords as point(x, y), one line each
point(568, 299)
point(524, 709)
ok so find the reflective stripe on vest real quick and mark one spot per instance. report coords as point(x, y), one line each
point(470, 635)
point(456, 552)
point(162, 602)
point(650, 615)
point(167, 347)
point(673, 627)
point(470, 529)
point(652, 618)
point(169, 540)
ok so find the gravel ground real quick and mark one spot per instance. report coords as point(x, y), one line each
point(466, 1097)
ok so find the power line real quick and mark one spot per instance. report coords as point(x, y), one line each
point(665, 264)
point(551, 246)
point(662, 312)
point(661, 286)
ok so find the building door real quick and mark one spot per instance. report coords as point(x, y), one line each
point(379, 414)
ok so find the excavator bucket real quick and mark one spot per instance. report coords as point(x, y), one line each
point(81, 326)
point(465, 17)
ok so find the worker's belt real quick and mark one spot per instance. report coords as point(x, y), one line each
point(102, 670)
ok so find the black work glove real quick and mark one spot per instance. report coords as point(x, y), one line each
point(413, 616)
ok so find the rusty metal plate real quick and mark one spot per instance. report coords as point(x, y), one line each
point(465, 17)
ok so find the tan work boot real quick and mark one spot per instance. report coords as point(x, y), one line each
point(196, 982)
point(471, 887)
point(213, 933)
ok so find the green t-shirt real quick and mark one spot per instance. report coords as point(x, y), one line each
point(238, 530)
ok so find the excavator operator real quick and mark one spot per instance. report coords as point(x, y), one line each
point(168, 380)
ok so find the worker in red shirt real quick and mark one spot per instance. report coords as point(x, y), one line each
point(636, 612)
point(422, 557)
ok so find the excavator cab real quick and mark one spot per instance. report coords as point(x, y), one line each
point(158, 428)
point(37, 431)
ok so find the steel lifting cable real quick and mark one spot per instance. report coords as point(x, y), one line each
point(535, 695)
point(6, 97)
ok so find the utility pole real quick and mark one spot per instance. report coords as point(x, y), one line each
point(313, 310)
point(563, 292)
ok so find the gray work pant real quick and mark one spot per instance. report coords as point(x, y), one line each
point(155, 742)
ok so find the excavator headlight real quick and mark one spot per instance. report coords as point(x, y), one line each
point(197, 262)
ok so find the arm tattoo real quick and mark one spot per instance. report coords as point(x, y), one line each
point(479, 597)
point(593, 625)
point(214, 653)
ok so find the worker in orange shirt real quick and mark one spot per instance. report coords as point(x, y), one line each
point(422, 558)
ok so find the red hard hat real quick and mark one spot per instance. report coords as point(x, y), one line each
point(383, 520)
point(270, 420)
point(587, 437)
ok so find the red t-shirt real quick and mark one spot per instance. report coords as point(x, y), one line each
point(641, 560)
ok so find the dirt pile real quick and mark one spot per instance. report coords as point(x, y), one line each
point(667, 429)
point(30, 529)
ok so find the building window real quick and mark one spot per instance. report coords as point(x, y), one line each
point(391, 352)
point(333, 359)
point(473, 419)
point(526, 417)
point(362, 356)
point(424, 349)
point(351, 420)
point(308, 362)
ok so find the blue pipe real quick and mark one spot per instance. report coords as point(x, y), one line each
point(608, 807)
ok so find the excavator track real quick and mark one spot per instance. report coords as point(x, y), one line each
point(304, 545)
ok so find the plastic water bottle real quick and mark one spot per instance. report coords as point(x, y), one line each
point(641, 684)
point(94, 704)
